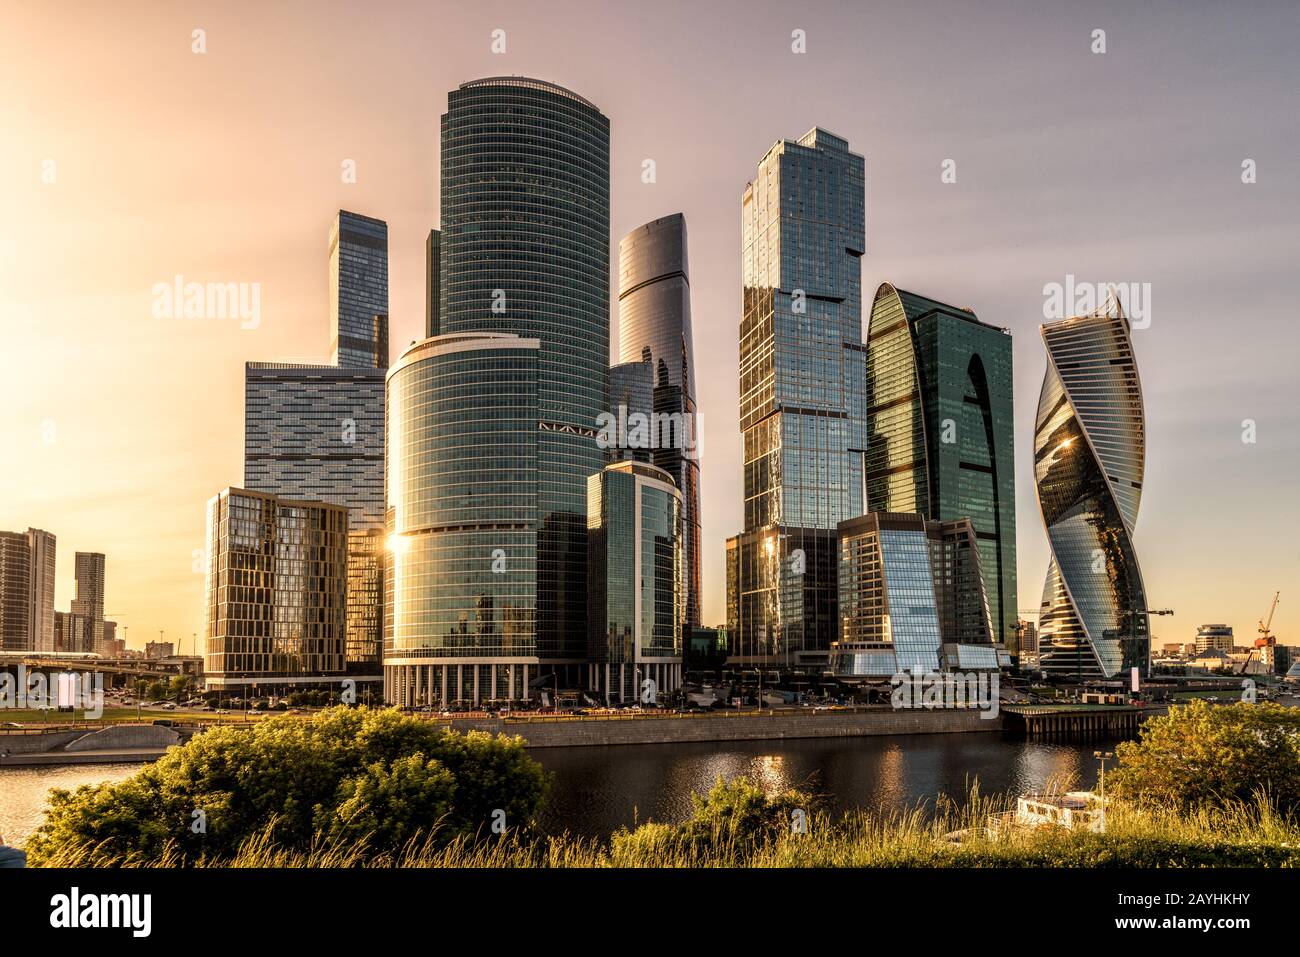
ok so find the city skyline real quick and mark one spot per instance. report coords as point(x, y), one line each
point(161, 430)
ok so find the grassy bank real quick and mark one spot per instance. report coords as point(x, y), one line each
point(1240, 836)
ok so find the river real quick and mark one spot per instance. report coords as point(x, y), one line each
point(597, 790)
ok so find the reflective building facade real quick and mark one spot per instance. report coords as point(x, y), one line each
point(636, 586)
point(358, 291)
point(911, 595)
point(802, 397)
point(654, 321)
point(460, 591)
point(276, 591)
point(1089, 458)
point(631, 394)
point(941, 430)
point(524, 249)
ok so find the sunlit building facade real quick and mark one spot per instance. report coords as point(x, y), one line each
point(524, 249)
point(27, 590)
point(636, 585)
point(802, 398)
point(358, 291)
point(88, 600)
point(276, 592)
point(1089, 458)
point(941, 429)
point(460, 590)
point(911, 596)
point(654, 321)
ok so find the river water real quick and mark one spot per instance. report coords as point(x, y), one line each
point(597, 790)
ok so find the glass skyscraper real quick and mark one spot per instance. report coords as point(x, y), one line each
point(462, 448)
point(941, 430)
point(802, 397)
point(315, 432)
point(654, 323)
point(631, 393)
point(637, 581)
point(524, 249)
point(1089, 458)
point(358, 291)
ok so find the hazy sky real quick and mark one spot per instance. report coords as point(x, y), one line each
point(1125, 166)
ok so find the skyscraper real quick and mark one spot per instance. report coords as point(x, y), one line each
point(940, 429)
point(432, 282)
point(15, 592)
point(1089, 458)
point(637, 582)
point(525, 249)
point(654, 320)
point(275, 591)
point(631, 394)
point(462, 473)
point(802, 397)
point(41, 614)
point(315, 432)
point(89, 600)
point(358, 291)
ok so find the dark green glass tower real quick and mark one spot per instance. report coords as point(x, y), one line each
point(941, 432)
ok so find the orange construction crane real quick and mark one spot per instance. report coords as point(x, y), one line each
point(1266, 637)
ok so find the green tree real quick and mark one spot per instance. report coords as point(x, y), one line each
point(344, 774)
point(1202, 754)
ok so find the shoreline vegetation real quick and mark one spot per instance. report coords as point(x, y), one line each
point(1204, 787)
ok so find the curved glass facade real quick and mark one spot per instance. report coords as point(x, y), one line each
point(525, 249)
point(654, 325)
point(940, 429)
point(1089, 456)
point(461, 446)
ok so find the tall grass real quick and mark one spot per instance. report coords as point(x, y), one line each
point(1242, 834)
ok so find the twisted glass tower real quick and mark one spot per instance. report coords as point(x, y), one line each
point(524, 249)
point(1089, 455)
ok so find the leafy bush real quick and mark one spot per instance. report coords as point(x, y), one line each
point(345, 775)
point(1206, 755)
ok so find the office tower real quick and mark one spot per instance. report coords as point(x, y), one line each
point(1089, 456)
point(460, 589)
point(15, 592)
point(41, 616)
point(1214, 636)
point(631, 403)
point(654, 322)
point(358, 291)
point(89, 600)
point(911, 595)
point(275, 592)
point(636, 590)
point(525, 250)
point(1027, 638)
point(315, 432)
point(940, 429)
point(432, 282)
point(802, 398)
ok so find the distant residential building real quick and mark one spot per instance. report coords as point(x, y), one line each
point(1028, 637)
point(73, 633)
point(1218, 637)
point(89, 600)
point(15, 592)
point(159, 649)
point(911, 595)
point(635, 585)
point(276, 591)
point(27, 590)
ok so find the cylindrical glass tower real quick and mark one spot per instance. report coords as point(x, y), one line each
point(460, 456)
point(525, 250)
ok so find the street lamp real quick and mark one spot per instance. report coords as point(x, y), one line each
point(1103, 757)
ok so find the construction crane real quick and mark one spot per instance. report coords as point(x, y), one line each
point(1267, 640)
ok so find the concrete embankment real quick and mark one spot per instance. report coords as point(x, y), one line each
point(728, 726)
point(115, 744)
